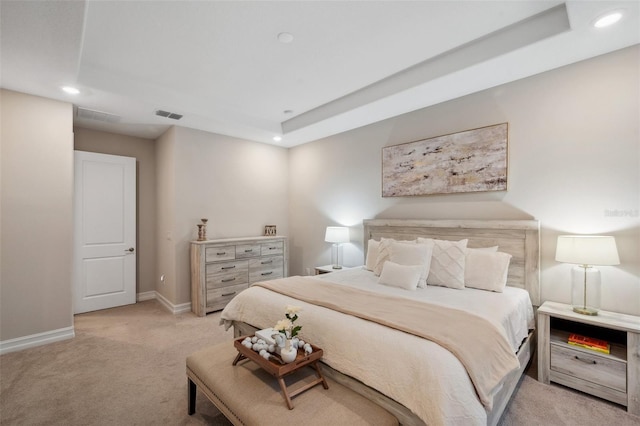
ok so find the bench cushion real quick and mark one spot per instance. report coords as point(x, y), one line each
point(247, 395)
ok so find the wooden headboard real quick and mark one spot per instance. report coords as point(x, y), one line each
point(519, 238)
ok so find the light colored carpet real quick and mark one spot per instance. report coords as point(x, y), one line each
point(126, 366)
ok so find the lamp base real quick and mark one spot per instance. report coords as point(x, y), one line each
point(337, 267)
point(585, 311)
point(585, 290)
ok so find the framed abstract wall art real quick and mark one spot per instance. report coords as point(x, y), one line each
point(468, 161)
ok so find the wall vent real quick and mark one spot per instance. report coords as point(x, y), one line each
point(97, 115)
point(168, 114)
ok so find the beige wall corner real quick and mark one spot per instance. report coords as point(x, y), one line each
point(239, 185)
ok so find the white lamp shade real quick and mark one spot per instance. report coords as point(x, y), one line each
point(337, 234)
point(587, 250)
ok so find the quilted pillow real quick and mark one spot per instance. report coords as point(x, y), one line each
point(383, 253)
point(485, 270)
point(412, 254)
point(403, 276)
point(447, 263)
point(372, 255)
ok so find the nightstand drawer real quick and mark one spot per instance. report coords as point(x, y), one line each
point(590, 367)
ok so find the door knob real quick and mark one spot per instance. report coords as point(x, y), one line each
point(130, 250)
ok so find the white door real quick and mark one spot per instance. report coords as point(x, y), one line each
point(104, 231)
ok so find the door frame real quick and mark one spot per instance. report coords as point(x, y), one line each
point(116, 250)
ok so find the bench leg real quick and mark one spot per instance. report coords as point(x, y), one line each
point(191, 391)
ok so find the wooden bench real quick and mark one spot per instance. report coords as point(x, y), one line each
point(248, 395)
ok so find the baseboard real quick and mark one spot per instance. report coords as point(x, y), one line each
point(39, 339)
point(33, 340)
point(174, 309)
point(147, 295)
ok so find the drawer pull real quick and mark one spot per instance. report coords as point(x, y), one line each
point(248, 250)
point(228, 267)
point(273, 248)
point(222, 253)
point(228, 280)
point(588, 361)
point(228, 294)
point(266, 262)
point(267, 273)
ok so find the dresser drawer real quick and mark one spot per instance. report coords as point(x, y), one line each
point(595, 368)
point(226, 274)
point(266, 268)
point(214, 254)
point(267, 249)
point(218, 298)
point(244, 251)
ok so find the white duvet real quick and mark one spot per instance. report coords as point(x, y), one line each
point(419, 374)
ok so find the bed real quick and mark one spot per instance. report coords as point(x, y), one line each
point(389, 359)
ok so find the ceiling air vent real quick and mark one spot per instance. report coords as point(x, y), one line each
point(168, 114)
point(97, 115)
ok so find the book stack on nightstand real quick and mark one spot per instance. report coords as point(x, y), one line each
point(599, 355)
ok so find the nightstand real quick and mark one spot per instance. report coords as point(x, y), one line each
point(614, 377)
point(327, 269)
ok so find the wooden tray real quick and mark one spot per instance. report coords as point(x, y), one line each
point(278, 370)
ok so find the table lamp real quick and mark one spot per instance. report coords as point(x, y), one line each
point(586, 251)
point(336, 235)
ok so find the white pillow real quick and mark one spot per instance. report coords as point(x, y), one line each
point(412, 254)
point(447, 263)
point(372, 255)
point(383, 253)
point(485, 270)
point(492, 248)
point(403, 276)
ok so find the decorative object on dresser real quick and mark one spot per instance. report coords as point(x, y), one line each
point(586, 251)
point(202, 230)
point(269, 230)
point(336, 235)
point(469, 161)
point(614, 376)
point(222, 268)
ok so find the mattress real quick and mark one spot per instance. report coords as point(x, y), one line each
point(511, 309)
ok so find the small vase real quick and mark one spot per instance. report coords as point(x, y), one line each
point(288, 353)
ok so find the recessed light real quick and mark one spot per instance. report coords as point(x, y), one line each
point(70, 90)
point(285, 37)
point(277, 138)
point(608, 19)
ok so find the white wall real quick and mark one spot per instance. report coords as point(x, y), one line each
point(574, 148)
point(240, 186)
point(36, 225)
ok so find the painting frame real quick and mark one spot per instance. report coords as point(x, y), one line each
point(474, 160)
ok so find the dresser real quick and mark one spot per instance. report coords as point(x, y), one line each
point(614, 376)
point(220, 269)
